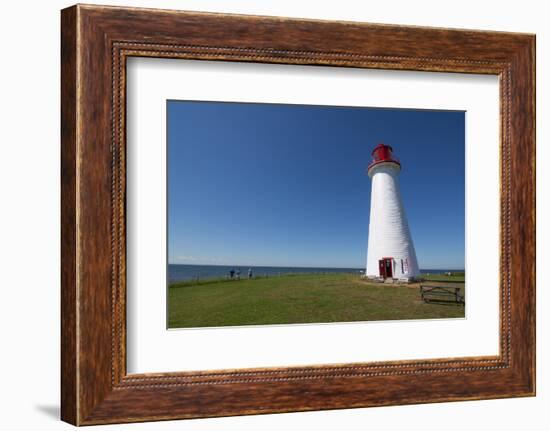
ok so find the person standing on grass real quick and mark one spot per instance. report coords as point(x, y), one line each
point(238, 273)
point(249, 273)
point(231, 273)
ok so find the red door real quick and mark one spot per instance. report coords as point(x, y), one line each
point(382, 268)
point(385, 267)
point(389, 272)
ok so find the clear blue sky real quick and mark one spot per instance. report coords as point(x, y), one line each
point(285, 185)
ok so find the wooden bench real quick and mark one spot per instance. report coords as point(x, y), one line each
point(430, 293)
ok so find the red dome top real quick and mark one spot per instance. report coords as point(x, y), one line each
point(383, 153)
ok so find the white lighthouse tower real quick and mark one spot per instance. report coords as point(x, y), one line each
point(390, 251)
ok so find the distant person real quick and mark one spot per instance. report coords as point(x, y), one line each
point(249, 273)
point(231, 273)
point(238, 274)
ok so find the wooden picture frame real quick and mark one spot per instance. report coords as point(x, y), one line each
point(95, 43)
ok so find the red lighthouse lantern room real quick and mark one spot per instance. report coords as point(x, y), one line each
point(383, 153)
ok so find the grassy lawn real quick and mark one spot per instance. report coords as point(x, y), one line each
point(304, 298)
point(457, 277)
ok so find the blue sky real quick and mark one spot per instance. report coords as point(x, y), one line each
point(285, 185)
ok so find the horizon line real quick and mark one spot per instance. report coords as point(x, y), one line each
point(302, 266)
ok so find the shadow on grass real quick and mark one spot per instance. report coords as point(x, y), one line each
point(448, 303)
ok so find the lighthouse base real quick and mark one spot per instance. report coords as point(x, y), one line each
point(401, 280)
point(392, 268)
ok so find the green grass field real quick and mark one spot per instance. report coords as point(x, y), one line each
point(454, 277)
point(301, 298)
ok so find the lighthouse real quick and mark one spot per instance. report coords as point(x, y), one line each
point(390, 251)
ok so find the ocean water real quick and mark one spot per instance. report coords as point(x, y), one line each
point(190, 272)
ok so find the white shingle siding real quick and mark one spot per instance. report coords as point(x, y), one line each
point(389, 233)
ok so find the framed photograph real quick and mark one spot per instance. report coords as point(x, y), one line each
point(265, 215)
